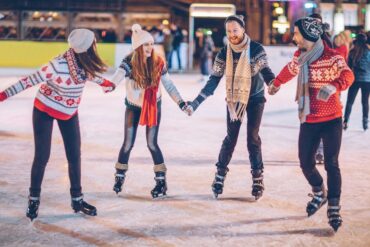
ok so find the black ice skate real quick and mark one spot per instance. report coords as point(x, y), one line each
point(119, 180)
point(218, 184)
point(365, 124)
point(319, 198)
point(257, 186)
point(79, 205)
point(33, 207)
point(160, 189)
point(335, 220)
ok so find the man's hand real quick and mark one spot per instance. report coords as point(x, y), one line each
point(325, 92)
point(272, 89)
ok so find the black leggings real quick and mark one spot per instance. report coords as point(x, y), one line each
point(132, 118)
point(309, 138)
point(352, 93)
point(70, 130)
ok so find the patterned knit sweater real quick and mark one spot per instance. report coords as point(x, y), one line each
point(261, 73)
point(59, 94)
point(134, 95)
point(330, 68)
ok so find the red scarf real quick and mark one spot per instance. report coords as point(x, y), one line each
point(148, 114)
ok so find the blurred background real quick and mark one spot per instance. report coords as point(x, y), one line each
point(180, 27)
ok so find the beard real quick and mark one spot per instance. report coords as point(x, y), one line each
point(302, 49)
point(236, 40)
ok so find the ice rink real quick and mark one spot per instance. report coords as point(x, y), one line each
point(189, 216)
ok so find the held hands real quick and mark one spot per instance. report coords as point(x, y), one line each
point(325, 92)
point(108, 86)
point(186, 107)
point(272, 89)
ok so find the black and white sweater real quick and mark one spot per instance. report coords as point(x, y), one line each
point(261, 73)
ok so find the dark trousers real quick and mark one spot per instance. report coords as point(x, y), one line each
point(352, 93)
point(177, 51)
point(70, 130)
point(254, 117)
point(309, 139)
point(132, 118)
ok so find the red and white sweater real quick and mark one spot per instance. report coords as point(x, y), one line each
point(59, 94)
point(330, 68)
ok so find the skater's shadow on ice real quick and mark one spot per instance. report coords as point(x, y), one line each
point(237, 199)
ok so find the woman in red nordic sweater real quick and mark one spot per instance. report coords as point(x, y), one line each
point(63, 80)
point(322, 74)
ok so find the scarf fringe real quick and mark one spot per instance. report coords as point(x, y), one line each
point(236, 111)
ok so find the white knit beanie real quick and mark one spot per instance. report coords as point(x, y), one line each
point(80, 40)
point(140, 36)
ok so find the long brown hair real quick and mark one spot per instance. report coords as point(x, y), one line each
point(91, 62)
point(359, 49)
point(146, 71)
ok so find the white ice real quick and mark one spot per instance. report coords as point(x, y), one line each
point(189, 216)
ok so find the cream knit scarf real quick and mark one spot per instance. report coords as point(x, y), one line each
point(238, 84)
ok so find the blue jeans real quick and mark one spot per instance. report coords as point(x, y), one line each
point(132, 118)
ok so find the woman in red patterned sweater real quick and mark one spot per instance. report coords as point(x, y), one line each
point(63, 80)
point(322, 74)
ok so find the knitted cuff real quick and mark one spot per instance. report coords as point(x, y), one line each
point(197, 101)
point(160, 168)
point(3, 96)
point(181, 104)
point(121, 166)
point(277, 82)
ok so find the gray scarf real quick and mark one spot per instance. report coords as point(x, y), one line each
point(304, 61)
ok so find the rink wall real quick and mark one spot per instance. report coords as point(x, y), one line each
point(30, 54)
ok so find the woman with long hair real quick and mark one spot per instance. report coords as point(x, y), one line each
point(144, 70)
point(359, 62)
point(63, 80)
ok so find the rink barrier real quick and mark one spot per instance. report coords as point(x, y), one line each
point(33, 54)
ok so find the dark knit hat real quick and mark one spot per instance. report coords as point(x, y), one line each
point(238, 18)
point(310, 28)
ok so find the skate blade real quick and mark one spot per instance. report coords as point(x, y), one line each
point(160, 197)
point(215, 195)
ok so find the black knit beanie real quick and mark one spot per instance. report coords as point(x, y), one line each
point(238, 18)
point(310, 28)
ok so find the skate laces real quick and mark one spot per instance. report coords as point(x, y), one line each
point(219, 179)
point(33, 198)
point(317, 199)
point(119, 175)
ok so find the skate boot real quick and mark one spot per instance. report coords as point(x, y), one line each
point(319, 157)
point(257, 186)
point(218, 182)
point(160, 188)
point(120, 176)
point(319, 198)
point(365, 122)
point(335, 220)
point(345, 125)
point(33, 207)
point(79, 205)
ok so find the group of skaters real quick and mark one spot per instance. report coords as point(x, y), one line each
point(322, 75)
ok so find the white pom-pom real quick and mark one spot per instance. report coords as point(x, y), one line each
point(136, 28)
